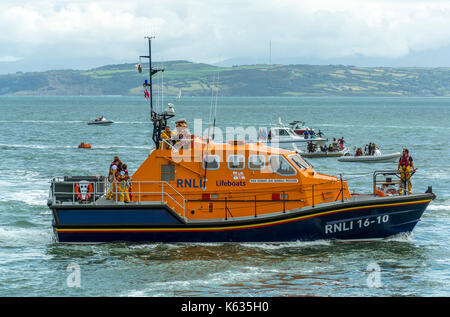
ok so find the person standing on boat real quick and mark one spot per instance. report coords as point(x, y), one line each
point(405, 165)
point(319, 134)
point(114, 170)
point(166, 138)
point(305, 133)
point(124, 184)
point(341, 143)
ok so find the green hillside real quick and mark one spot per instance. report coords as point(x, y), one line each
point(196, 79)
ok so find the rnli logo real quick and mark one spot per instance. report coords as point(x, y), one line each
point(189, 183)
point(198, 183)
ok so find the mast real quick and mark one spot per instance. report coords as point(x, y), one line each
point(159, 119)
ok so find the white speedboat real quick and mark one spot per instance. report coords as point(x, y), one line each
point(378, 157)
point(101, 121)
point(284, 137)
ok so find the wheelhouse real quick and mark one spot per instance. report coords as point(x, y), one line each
point(237, 178)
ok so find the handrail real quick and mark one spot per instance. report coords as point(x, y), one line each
point(180, 201)
point(385, 182)
point(115, 191)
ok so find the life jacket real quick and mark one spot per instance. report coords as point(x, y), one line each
point(405, 161)
point(124, 175)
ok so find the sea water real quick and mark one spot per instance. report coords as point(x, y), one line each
point(39, 138)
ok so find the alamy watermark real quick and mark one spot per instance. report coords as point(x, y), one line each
point(74, 277)
point(374, 275)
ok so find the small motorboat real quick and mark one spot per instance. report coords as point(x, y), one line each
point(377, 158)
point(83, 145)
point(101, 121)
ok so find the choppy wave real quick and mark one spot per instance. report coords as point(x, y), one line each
point(438, 207)
point(25, 235)
point(295, 244)
point(35, 197)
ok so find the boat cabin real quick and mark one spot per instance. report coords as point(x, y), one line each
point(282, 133)
point(205, 180)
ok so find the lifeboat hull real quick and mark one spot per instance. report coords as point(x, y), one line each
point(360, 219)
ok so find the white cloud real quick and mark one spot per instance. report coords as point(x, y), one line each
point(10, 58)
point(209, 31)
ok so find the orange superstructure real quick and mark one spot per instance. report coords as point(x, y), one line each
point(212, 181)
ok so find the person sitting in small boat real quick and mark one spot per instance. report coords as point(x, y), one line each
point(376, 150)
point(312, 134)
point(166, 138)
point(372, 148)
point(405, 165)
point(305, 134)
point(359, 152)
point(124, 184)
point(335, 144)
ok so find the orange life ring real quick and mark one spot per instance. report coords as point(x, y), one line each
point(380, 193)
point(88, 195)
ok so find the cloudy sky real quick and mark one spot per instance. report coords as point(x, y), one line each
point(79, 34)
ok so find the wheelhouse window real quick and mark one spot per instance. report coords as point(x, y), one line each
point(256, 162)
point(299, 161)
point(283, 132)
point(281, 166)
point(211, 162)
point(236, 162)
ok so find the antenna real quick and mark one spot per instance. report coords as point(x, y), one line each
point(159, 119)
point(209, 128)
point(270, 52)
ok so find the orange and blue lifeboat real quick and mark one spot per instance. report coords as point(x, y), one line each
point(233, 192)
